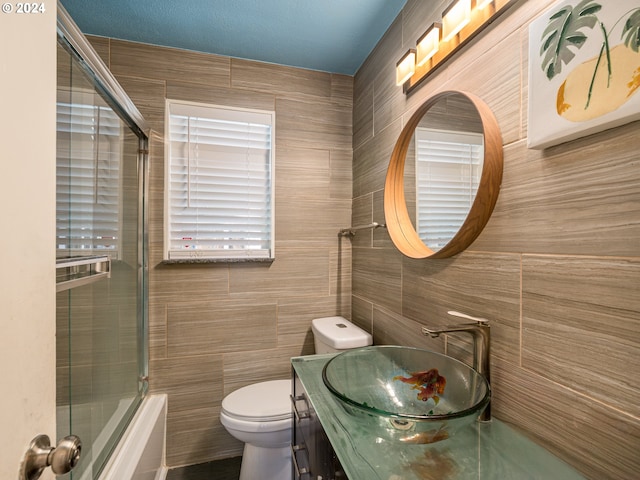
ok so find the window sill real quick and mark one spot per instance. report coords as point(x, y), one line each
point(188, 261)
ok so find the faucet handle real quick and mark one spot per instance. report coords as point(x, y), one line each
point(453, 313)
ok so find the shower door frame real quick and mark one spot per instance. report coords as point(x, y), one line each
point(74, 41)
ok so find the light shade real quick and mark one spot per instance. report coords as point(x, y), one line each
point(480, 4)
point(428, 44)
point(455, 17)
point(406, 67)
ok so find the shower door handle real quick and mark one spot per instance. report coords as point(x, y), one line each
point(62, 458)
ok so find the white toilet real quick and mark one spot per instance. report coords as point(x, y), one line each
point(334, 334)
point(260, 414)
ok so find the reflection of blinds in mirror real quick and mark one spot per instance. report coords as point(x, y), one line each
point(448, 169)
point(88, 170)
point(219, 191)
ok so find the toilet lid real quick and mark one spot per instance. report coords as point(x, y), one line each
point(264, 401)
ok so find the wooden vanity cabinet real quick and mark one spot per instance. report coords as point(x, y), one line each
point(313, 457)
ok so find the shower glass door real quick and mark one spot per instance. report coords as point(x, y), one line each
point(101, 353)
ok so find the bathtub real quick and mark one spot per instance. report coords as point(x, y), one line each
point(140, 453)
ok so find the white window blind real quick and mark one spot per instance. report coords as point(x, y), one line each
point(219, 195)
point(448, 169)
point(88, 178)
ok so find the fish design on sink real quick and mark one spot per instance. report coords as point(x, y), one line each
point(429, 383)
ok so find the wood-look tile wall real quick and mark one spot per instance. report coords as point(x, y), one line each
point(556, 270)
point(215, 328)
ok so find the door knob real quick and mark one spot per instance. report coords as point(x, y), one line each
point(61, 458)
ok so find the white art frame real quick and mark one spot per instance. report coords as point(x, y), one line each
point(584, 70)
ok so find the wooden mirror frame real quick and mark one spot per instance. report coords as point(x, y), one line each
point(399, 224)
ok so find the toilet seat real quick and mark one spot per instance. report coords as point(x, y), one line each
point(260, 402)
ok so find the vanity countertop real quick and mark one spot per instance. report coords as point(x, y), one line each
point(484, 451)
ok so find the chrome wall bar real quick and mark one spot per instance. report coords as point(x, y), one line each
point(351, 231)
point(77, 271)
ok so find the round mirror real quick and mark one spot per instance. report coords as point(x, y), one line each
point(444, 176)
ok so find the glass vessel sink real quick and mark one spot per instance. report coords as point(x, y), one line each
point(411, 395)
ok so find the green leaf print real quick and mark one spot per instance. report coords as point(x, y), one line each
point(631, 31)
point(564, 33)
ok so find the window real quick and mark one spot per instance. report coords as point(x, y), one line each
point(219, 183)
point(88, 176)
point(448, 169)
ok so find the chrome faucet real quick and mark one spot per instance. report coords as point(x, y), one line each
point(481, 334)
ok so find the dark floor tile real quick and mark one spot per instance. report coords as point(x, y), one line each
point(227, 469)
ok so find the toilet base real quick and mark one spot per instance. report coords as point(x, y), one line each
point(266, 463)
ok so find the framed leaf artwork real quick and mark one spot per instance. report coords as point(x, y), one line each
point(584, 70)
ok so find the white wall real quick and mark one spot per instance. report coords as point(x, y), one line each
point(27, 248)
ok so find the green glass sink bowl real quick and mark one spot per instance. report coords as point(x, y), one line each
point(396, 390)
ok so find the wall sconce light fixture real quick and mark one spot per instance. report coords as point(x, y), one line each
point(428, 44)
point(482, 3)
point(406, 67)
point(462, 20)
point(455, 17)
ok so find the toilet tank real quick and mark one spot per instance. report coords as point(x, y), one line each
point(335, 334)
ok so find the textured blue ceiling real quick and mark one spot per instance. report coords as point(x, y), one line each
point(328, 35)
